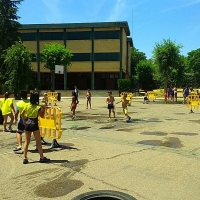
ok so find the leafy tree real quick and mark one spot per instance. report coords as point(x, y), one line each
point(194, 64)
point(8, 25)
point(136, 57)
point(144, 74)
point(167, 60)
point(56, 54)
point(18, 67)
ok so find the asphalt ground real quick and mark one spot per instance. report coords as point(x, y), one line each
point(155, 156)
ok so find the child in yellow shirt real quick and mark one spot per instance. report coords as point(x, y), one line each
point(7, 109)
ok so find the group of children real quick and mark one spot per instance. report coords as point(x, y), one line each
point(29, 111)
point(170, 93)
point(110, 101)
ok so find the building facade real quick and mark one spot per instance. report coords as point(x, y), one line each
point(101, 53)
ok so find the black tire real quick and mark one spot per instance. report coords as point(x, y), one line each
point(104, 195)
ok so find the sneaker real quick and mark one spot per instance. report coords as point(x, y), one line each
point(25, 161)
point(17, 149)
point(6, 130)
point(10, 129)
point(44, 160)
point(128, 120)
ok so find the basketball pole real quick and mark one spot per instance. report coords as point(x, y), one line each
point(52, 80)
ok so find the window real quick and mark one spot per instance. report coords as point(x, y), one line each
point(107, 35)
point(103, 75)
point(106, 56)
point(28, 36)
point(83, 35)
point(51, 36)
point(116, 75)
point(33, 57)
point(111, 75)
point(81, 57)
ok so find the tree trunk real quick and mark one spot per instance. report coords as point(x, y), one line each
point(165, 84)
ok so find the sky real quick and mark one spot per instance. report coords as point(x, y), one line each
point(150, 21)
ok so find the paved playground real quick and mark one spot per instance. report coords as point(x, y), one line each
point(155, 156)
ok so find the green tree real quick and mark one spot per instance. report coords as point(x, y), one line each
point(18, 67)
point(56, 54)
point(8, 25)
point(167, 59)
point(194, 64)
point(136, 57)
point(144, 74)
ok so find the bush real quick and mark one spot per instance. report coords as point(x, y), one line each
point(123, 84)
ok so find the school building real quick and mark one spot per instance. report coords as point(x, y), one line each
point(101, 53)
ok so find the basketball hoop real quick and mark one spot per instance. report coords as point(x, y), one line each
point(59, 69)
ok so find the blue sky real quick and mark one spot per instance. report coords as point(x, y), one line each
point(150, 21)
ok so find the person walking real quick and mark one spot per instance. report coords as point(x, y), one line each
point(74, 105)
point(30, 115)
point(125, 103)
point(7, 109)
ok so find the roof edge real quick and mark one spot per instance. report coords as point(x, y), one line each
point(123, 24)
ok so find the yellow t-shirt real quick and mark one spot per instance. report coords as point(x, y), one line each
point(21, 104)
point(6, 106)
point(31, 111)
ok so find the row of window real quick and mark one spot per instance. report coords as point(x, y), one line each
point(88, 57)
point(82, 35)
point(98, 75)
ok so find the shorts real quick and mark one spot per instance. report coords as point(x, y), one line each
point(145, 99)
point(110, 106)
point(125, 110)
point(74, 106)
point(31, 125)
point(20, 128)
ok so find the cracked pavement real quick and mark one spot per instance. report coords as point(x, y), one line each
point(155, 156)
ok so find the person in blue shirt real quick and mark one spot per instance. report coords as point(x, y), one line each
point(186, 92)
